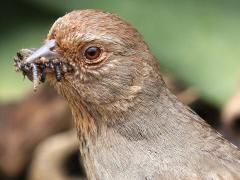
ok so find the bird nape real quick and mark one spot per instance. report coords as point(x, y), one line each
point(130, 126)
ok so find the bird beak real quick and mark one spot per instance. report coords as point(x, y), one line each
point(44, 51)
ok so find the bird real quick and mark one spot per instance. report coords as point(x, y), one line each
point(129, 124)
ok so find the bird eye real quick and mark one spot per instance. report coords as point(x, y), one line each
point(92, 53)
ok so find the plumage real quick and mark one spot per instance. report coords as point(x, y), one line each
point(130, 126)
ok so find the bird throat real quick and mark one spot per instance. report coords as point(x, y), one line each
point(87, 134)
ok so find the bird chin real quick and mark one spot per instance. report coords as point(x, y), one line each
point(41, 69)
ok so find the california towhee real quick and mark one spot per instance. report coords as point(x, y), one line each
point(130, 126)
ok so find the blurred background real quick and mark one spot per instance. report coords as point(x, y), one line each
point(196, 42)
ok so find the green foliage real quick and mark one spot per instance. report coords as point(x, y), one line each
point(198, 41)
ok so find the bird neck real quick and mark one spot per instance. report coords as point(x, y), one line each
point(110, 133)
point(102, 136)
point(152, 125)
point(104, 144)
point(100, 126)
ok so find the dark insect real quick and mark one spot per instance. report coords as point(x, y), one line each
point(37, 71)
point(44, 73)
point(19, 55)
point(58, 71)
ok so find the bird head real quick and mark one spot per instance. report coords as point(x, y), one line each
point(111, 62)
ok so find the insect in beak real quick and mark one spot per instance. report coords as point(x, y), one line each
point(36, 63)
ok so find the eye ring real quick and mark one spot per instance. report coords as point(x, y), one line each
point(92, 53)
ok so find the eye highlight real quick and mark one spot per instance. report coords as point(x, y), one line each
point(92, 52)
